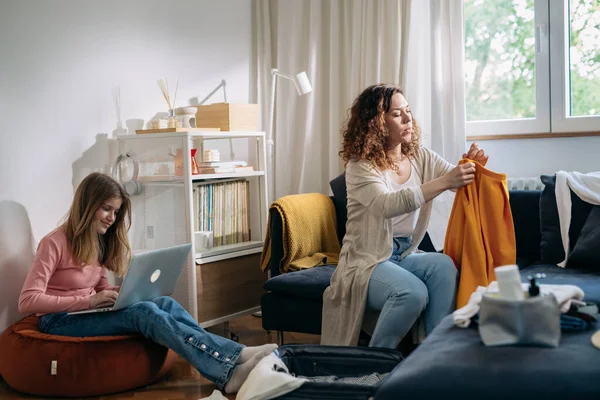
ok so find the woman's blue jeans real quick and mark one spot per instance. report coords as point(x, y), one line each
point(161, 320)
point(402, 289)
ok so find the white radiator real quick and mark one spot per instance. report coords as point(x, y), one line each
point(524, 184)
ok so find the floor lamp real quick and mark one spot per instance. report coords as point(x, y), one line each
point(303, 87)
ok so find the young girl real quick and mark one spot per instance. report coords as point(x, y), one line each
point(69, 274)
point(391, 180)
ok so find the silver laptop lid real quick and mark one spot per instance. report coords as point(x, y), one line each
point(152, 274)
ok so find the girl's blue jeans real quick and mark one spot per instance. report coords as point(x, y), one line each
point(161, 320)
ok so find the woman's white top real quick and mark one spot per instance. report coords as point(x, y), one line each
point(405, 224)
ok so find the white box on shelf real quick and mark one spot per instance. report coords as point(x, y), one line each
point(204, 240)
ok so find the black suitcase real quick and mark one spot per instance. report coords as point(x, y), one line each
point(312, 361)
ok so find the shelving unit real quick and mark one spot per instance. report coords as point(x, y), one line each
point(199, 178)
point(225, 281)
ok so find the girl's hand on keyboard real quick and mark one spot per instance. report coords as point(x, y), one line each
point(105, 298)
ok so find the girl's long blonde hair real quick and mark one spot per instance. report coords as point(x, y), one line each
point(112, 249)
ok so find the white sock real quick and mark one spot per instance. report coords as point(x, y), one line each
point(248, 352)
point(241, 372)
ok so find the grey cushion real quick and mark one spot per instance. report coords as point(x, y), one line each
point(551, 248)
point(525, 208)
point(586, 252)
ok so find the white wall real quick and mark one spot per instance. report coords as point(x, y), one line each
point(59, 61)
point(535, 157)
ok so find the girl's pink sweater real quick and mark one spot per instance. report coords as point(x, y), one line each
point(57, 282)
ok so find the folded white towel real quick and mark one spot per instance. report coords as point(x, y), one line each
point(462, 316)
point(269, 379)
point(565, 296)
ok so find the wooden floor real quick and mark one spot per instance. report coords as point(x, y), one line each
point(184, 382)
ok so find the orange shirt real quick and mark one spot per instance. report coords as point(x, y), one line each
point(480, 234)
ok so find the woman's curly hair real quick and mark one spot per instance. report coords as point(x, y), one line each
point(365, 136)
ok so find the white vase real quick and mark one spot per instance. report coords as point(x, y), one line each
point(186, 114)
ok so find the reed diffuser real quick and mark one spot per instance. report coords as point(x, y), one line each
point(116, 92)
point(164, 88)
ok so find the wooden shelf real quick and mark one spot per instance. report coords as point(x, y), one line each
point(198, 178)
point(229, 288)
point(229, 249)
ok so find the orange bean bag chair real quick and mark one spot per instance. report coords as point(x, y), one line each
point(47, 365)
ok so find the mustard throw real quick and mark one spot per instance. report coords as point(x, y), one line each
point(309, 232)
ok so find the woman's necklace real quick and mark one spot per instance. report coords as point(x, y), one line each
point(403, 173)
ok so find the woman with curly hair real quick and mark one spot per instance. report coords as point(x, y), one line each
point(391, 180)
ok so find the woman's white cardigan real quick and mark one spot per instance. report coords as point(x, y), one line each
point(372, 202)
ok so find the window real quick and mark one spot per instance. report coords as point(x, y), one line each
point(532, 66)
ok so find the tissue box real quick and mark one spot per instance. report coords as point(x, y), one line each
point(228, 117)
point(534, 321)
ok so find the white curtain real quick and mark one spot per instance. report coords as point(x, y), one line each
point(435, 89)
point(344, 46)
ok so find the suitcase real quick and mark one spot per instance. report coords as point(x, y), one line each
point(312, 361)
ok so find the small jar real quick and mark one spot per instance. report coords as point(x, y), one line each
point(211, 155)
point(172, 121)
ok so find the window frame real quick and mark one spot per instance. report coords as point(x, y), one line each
point(561, 121)
point(551, 83)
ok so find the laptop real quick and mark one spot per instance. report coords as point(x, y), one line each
point(151, 274)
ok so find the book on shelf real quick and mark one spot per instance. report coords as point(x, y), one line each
point(222, 164)
point(222, 207)
point(225, 170)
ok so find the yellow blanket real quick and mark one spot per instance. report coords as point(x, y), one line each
point(309, 232)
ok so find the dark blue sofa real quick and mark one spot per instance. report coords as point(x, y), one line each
point(293, 301)
point(452, 362)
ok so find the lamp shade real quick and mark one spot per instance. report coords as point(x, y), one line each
point(302, 83)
